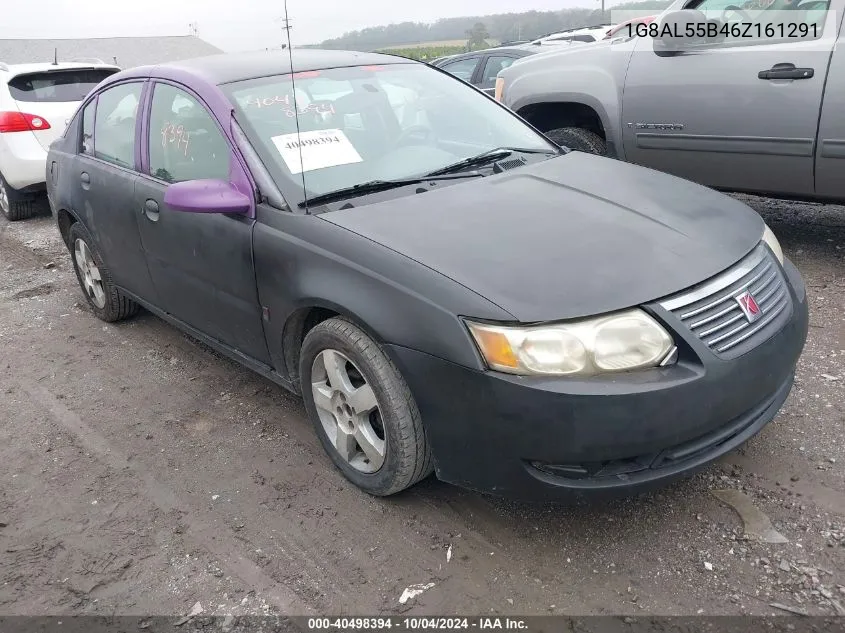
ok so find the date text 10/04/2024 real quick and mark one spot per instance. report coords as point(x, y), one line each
point(399, 625)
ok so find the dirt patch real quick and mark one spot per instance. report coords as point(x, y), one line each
point(38, 291)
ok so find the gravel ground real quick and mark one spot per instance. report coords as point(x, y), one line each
point(145, 474)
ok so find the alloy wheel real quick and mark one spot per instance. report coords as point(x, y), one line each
point(349, 411)
point(92, 280)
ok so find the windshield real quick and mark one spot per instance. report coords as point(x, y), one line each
point(370, 123)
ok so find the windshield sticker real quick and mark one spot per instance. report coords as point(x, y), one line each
point(320, 149)
point(353, 121)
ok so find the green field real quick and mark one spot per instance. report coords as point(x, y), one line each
point(431, 50)
point(441, 43)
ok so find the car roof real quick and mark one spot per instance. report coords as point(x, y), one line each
point(579, 29)
point(232, 67)
point(545, 46)
point(585, 30)
point(522, 51)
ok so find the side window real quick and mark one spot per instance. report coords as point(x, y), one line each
point(114, 128)
point(87, 145)
point(766, 21)
point(185, 141)
point(493, 67)
point(462, 69)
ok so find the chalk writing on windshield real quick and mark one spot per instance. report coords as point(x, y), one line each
point(286, 102)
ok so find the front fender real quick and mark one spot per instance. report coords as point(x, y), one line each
point(592, 75)
point(304, 261)
point(609, 114)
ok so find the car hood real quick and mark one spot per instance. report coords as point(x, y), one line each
point(569, 237)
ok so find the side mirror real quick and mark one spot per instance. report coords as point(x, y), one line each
point(206, 196)
point(680, 30)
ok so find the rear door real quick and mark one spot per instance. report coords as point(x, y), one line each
point(720, 114)
point(53, 96)
point(201, 263)
point(103, 183)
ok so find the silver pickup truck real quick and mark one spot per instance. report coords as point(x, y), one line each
point(755, 105)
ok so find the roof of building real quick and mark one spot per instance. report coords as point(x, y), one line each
point(126, 52)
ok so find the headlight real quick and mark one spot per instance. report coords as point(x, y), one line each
point(618, 342)
point(770, 239)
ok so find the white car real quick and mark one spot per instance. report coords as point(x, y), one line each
point(36, 103)
point(585, 35)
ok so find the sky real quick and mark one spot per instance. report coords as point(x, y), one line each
point(236, 25)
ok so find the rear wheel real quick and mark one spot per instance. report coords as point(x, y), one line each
point(14, 205)
point(579, 139)
point(106, 301)
point(362, 409)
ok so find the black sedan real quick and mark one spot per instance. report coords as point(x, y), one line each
point(448, 290)
point(480, 68)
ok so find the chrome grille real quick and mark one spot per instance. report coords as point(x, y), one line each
point(713, 313)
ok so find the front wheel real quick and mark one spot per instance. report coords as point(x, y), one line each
point(579, 139)
point(362, 409)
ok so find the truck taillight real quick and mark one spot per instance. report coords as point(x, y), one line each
point(22, 122)
point(500, 89)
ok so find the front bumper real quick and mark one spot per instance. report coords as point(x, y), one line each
point(538, 438)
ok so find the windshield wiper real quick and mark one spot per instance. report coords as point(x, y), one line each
point(488, 157)
point(374, 186)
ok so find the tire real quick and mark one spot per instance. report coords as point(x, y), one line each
point(395, 420)
point(15, 206)
point(579, 139)
point(107, 303)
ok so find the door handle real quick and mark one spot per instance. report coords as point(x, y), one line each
point(786, 71)
point(85, 178)
point(151, 210)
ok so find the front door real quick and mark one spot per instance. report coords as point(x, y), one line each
point(201, 263)
point(739, 115)
point(106, 172)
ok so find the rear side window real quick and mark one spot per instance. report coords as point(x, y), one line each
point(463, 69)
point(114, 127)
point(495, 65)
point(185, 141)
point(56, 85)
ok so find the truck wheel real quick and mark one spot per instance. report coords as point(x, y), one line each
point(579, 139)
point(107, 302)
point(13, 205)
point(362, 409)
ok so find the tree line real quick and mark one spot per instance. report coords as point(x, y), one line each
point(501, 27)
